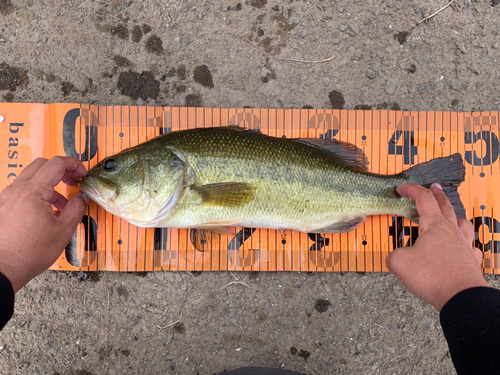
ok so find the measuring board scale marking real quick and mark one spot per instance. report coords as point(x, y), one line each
point(393, 141)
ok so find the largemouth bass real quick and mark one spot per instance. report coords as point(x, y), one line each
point(216, 178)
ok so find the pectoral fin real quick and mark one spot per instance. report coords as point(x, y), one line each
point(226, 194)
point(342, 226)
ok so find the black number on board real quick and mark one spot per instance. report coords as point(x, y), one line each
point(160, 238)
point(330, 133)
point(70, 131)
point(407, 149)
point(490, 150)
point(238, 240)
point(398, 231)
point(493, 227)
point(319, 241)
point(89, 243)
point(236, 257)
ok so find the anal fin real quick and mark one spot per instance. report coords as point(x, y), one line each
point(220, 229)
point(345, 225)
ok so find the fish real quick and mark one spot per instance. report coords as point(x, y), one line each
point(223, 177)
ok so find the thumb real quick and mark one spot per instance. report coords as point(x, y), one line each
point(479, 255)
point(396, 261)
point(74, 210)
point(389, 261)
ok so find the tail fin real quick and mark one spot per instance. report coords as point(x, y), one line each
point(452, 193)
point(448, 171)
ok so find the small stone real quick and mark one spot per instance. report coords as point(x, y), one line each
point(422, 87)
point(341, 7)
point(455, 84)
point(473, 68)
point(416, 9)
point(304, 354)
point(428, 323)
point(355, 28)
point(374, 332)
point(460, 46)
point(371, 74)
point(343, 28)
point(322, 305)
point(34, 326)
point(390, 87)
point(185, 41)
point(302, 32)
point(67, 60)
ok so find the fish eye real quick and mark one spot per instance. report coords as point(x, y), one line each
point(110, 164)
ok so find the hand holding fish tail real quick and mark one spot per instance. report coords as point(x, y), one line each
point(442, 262)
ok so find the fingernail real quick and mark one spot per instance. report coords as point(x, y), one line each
point(437, 186)
point(85, 198)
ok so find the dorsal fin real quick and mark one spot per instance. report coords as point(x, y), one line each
point(342, 152)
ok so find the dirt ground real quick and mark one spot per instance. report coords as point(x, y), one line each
point(228, 54)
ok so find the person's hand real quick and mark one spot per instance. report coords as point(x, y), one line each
point(32, 233)
point(442, 262)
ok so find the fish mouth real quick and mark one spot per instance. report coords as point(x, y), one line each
point(89, 186)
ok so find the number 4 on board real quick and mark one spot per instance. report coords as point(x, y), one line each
point(408, 148)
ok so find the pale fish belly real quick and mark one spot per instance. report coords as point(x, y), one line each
point(306, 207)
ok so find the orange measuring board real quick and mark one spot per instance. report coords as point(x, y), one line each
point(393, 141)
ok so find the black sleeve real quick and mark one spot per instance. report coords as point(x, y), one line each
point(471, 325)
point(6, 300)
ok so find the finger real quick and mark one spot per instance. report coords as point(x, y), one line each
point(53, 171)
point(467, 229)
point(398, 262)
point(31, 169)
point(70, 179)
point(394, 260)
point(479, 255)
point(73, 212)
point(58, 201)
point(426, 203)
point(388, 261)
point(444, 203)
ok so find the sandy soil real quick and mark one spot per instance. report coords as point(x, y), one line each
point(204, 53)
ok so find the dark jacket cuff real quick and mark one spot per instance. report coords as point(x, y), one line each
point(471, 325)
point(6, 300)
